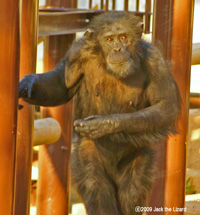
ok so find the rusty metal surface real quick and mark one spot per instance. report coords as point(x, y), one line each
point(25, 115)
point(58, 21)
point(9, 73)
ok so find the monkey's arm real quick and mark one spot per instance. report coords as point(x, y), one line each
point(47, 89)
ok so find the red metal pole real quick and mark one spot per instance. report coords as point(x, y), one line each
point(25, 116)
point(176, 146)
point(9, 78)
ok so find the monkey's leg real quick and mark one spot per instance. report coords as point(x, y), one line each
point(135, 181)
point(93, 184)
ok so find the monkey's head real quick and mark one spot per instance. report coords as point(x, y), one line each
point(118, 35)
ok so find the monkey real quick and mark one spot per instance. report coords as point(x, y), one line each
point(125, 101)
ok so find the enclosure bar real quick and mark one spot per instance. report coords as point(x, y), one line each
point(137, 5)
point(107, 5)
point(90, 4)
point(101, 5)
point(147, 16)
point(26, 115)
point(9, 78)
point(162, 20)
point(55, 157)
point(62, 3)
point(126, 5)
point(162, 25)
point(181, 58)
point(113, 4)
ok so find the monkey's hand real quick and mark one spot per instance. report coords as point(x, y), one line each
point(26, 86)
point(95, 126)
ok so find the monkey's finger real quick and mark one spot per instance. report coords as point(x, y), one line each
point(20, 107)
point(80, 130)
point(91, 117)
point(79, 123)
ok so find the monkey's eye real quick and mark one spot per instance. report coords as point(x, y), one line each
point(123, 37)
point(109, 39)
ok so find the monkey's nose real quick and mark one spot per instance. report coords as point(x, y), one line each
point(117, 50)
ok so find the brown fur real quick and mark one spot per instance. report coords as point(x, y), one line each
point(126, 101)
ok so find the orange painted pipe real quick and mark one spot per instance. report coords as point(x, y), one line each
point(26, 115)
point(9, 78)
point(176, 147)
point(54, 182)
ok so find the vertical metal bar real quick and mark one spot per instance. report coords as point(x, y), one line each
point(107, 5)
point(90, 4)
point(162, 30)
point(147, 16)
point(162, 25)
point(25, 116)
point(181, 58)
point(126, 5)
point(137, 5)
point(113, 4)
point(55, 157)
point(62, 3)
point(102, 4)
point(9, 78)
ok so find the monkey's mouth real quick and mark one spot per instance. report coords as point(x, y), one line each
point(120, 69)
point(118, 63)
point(118, 59)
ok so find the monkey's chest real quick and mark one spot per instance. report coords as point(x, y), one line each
point(109, 95)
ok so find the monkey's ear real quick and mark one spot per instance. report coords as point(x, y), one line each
point(140, 27)
point(89, 35)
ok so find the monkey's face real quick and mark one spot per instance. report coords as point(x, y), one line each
point(117, 38)
point(115, 46)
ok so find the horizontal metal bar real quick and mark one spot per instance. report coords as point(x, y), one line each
point(55, 21)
